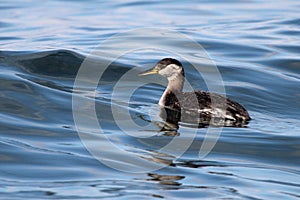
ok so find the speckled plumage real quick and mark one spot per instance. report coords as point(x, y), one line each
point(186, 102)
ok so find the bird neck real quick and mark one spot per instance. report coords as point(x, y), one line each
point(175, 86)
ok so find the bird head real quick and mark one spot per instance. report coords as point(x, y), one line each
point(167, 67)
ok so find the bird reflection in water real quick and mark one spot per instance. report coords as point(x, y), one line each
point(171, 180)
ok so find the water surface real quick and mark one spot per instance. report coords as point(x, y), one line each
point(255, 46)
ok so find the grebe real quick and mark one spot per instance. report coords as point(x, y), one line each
point(173, 97)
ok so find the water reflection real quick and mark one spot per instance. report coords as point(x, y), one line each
point(166, 179)
point(155, 158)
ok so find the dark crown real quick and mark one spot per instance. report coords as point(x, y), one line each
point(167, 61)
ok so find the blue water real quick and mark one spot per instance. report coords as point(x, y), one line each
point(255, 46)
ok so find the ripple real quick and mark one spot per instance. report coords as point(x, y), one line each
point(254, 47)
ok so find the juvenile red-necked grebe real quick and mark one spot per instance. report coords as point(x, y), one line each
point(174, 98)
